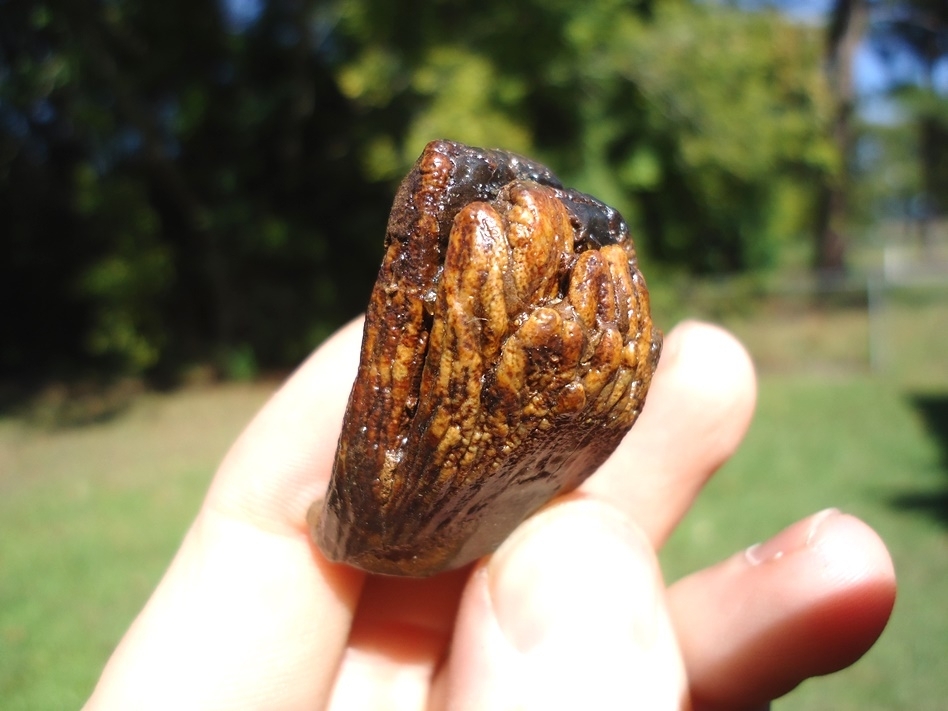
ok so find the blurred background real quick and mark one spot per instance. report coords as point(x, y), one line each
point(193, 194)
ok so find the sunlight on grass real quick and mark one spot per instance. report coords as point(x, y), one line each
point(860, 445)
point(90, 516)
point(89, 519)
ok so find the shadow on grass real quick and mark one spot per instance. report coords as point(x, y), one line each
point(68, 404)
point(934, 411)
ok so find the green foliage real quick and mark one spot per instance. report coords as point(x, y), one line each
point(125, 286)
point(699, 142)
point(240, 363)
point(915, 33)
point(887, 177)
point(743, 123)
point(177, 187)
point(931, 122)
point(185, 189)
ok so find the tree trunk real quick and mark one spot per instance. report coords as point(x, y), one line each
point(848, 24)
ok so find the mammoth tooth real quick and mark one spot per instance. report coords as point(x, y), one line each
point(508, 347)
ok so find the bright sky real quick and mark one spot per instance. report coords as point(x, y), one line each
point(242, 13)
point(873, 75)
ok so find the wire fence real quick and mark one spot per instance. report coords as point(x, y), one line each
point(906, 270)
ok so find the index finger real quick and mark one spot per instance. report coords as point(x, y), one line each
point(282, 461)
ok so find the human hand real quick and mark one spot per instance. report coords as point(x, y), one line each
point(570, 612)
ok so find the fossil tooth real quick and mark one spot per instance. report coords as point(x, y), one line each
point(508, 347)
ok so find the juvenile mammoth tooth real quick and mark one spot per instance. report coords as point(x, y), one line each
point(508, 348)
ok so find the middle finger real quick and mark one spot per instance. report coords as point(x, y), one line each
point(698, 409)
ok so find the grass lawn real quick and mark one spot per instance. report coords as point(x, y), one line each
point(871, 450)
point(90, 516)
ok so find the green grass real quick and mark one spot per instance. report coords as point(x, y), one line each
point(835, 429)
point(90, 516)
point(860, 445)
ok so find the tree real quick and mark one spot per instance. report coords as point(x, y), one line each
point(920, 27)
point(181, 186)
point(178, 190)
point(698, 142)
point(849, 20)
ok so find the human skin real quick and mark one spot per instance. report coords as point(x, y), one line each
point(570, 612)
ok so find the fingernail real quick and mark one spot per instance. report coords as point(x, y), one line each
point(571, 575)
point(793, 538)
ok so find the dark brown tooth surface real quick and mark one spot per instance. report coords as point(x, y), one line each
point(508, 347)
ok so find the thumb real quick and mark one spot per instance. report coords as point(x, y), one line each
point(569, 613)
